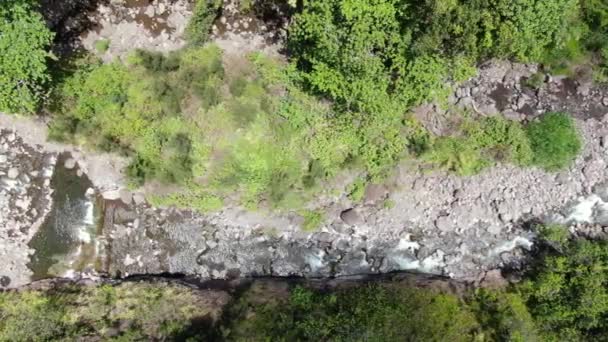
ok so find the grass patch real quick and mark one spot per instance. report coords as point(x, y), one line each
point(102, 45)
point(554, 141)
point(551, 142)
point(312, 220)
point(356, 190)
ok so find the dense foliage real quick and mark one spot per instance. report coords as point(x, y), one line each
point(24, 43)
point(271, 134)
point(376, 313)
point(129, 312)
point(186, 119)
point(204, 14)
point(550, 142)
point(554, 141)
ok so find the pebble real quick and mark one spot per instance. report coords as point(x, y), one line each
point(3, 159)
point(13, 173)
point(125, 196)
point(111, 195)
point(139, 198)
point(69, 164)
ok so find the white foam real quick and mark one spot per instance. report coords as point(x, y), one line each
point(315, 261)
point(433, 263)
point(89, 217)
point(583, 211)
point(508, 246)
point(83, 235)
point(405, 263)
point(407, 245)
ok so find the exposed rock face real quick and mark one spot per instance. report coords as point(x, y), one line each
point(25, 199)
point(136, 24)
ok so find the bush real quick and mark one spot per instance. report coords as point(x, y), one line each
point(136, 311)
point(554, 140)
point(24, 43)
point(567, 292)
point(204, 15)
point(365, 313)
point(482, 143)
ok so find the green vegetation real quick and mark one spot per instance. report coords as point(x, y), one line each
point(102, 45)
point(551, 142)
point(377, 313)
point(204, 14)
point(24, 42)
point(356, 190)
point(312, 220)
point(554, 141)
point(271, 134)
point(128, 312)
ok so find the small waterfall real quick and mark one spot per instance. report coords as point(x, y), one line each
point(66, 244)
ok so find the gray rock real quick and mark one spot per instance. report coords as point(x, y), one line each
point(139, 198)
point(122, 216)
point(583, 89)
point(125, 196)
point(444, 223)
point(111, 195)
point(351, 217)
point(70, 163)
point(374, 193)
point(3, 159)
point(13, 173)
point(511, 115)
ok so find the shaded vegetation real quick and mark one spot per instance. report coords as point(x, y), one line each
point(127, 312)
point(24, 44)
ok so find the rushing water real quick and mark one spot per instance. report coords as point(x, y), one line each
point(66, 244)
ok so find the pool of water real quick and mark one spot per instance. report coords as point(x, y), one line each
point(66, 244)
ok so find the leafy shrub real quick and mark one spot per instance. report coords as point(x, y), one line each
point(150, 311)
point(554, 140)
point(24, 43)
point(567, 292)
point(504, 316)
point(483, 142)
point(356, 190)
point(204, 14)
point(365, 313)
point(554, 234)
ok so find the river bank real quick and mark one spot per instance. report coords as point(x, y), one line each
point(439, 223)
